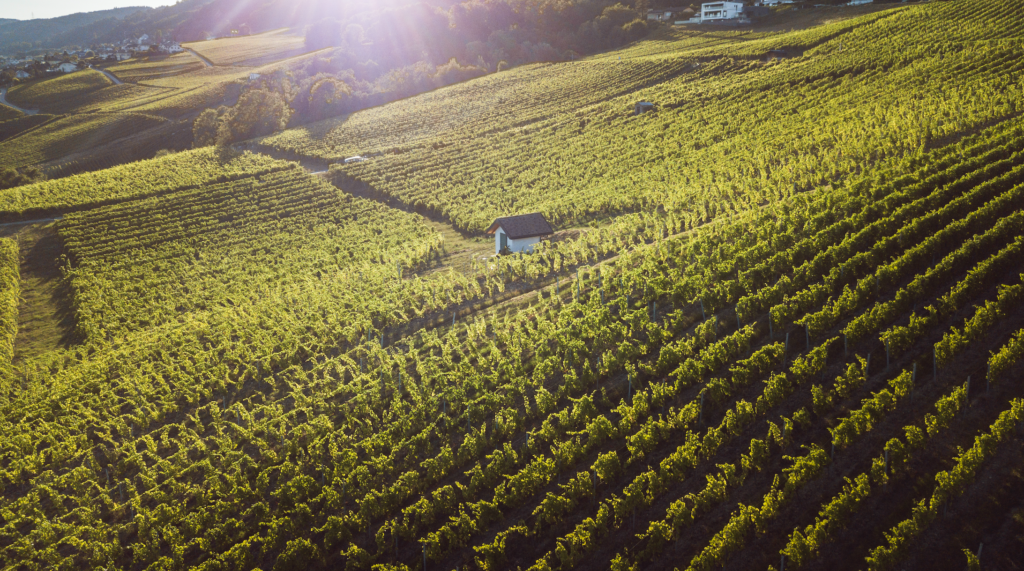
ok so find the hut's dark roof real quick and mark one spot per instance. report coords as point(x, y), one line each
point(522, 226)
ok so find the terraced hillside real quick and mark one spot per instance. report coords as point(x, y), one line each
point(732, 127)
point(96, 124)
point(253, 50)
point(59, 94)
point(781, 328)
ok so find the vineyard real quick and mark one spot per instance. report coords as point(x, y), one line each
point(146, 262)
point(137, 180)
point(59, 94)
point(10, 292)
point(87, 123)
point(70, 134)
point(7, 115)
point(254, 50)
point(138, 70)
point(20, 124)
point(782, 329)
point(708, 148)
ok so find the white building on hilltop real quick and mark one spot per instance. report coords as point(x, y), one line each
point(720, 11)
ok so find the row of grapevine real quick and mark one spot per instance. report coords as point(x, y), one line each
point(264, 384)
point(10, 296)
point(948, 485)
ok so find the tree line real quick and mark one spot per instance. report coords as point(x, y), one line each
point(373, 58)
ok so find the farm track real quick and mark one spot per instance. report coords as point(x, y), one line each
point(45, 321)
point(205, 61)
point(37, 221)
point(3, 100)
point(110, 76)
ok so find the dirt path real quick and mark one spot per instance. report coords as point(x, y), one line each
point(3, 101)
point(45, 321)
point(24, 222)
point(205, 61)
point(109, 75)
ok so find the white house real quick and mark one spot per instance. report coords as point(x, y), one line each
point(67, 67)
point(142, 48)
point(720, 11)
point(668, 14)
point(254, 76)
point(175, 48)
point(519, 233)
point(22, 74)
point(143, 39)
point(121, 56)
point(859, 2)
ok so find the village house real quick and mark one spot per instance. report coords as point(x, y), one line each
point(66, 67)
point(514, 234)
point(22, 74)
point(668, 14)
point(713, 11)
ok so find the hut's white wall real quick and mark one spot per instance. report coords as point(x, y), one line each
point(520, 245)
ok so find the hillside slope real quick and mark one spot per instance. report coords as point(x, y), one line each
point(781, 326)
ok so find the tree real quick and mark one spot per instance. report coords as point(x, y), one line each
point(327, 98)
point(204, 130)
point(453, 72)
point(258, 112)
point(323, 34)
point(10, 178)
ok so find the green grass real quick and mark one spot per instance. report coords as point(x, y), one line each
point(45, 322)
